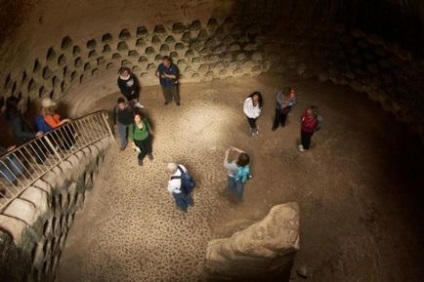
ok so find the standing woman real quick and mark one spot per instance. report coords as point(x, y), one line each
point(252, 108)
point(238, 172)
point(140, 136)
point(308, 125)
point(285, 101)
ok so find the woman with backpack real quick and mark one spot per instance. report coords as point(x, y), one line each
point(285, 101)
point(140, 135)
point(309, 123)
point(252, 108)
point(238, 172)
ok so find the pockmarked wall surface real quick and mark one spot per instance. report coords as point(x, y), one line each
point(72, 51)
point(34, 226)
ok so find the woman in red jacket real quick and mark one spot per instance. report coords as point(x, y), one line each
point(308, 125)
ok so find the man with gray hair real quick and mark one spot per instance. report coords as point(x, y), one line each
point(178, 174)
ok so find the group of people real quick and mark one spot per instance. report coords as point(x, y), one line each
point(46, 120)
point(135, 129)
point(310, 120)
point(131, 124)
point(167, 72)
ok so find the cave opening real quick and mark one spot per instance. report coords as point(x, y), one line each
point(358, 187)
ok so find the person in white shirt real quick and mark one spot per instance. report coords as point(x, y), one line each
point(182, 200)
point(252, 108)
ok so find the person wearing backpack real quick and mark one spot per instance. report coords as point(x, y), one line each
point(238, 172)
point(285, 101)
point(140, 136)
point(180, 185)
point(309, 123)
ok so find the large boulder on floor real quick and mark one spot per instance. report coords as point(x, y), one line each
point(264, 251)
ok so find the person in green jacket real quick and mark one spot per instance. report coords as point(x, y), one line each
point(140, 136)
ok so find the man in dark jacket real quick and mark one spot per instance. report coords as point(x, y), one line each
point(22, 132)
point(129, 86)
point(168, 79)
point(123, 117)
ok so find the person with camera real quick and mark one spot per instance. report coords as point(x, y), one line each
point(168, 79)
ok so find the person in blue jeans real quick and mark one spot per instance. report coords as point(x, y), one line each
point(183, 201)
point(238, 172)
point(123, 115)
point(10, 166)
point(168, 79)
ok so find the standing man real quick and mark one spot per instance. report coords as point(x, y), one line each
point(123, 118)
point(176, 180)
point(129, 86)
point(168, 78)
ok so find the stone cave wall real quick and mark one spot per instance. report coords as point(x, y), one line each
point(34, 226)
point(387, 73)
point(202, 52)
point(288, 38)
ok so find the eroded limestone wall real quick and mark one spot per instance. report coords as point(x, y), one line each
point(384, 71)
point(76, 52)
point(262, 252)
point(34, 226)
point(202, 52)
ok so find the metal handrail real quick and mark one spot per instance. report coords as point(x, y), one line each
point(21, 167)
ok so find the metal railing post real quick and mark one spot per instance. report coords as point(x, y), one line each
point(108, 127)
point(53, 148)
point(33, 159)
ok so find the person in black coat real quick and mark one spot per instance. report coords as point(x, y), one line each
point(129, 86)
point(22, 132)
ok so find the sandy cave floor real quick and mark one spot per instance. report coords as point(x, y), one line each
point(358, 188)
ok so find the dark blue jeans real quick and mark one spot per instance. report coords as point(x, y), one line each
point(305, 139)
point(122, 131)
point(183, 201)
point(235, 188)
point(10, 168)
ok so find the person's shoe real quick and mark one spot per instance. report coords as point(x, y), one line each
point(184, 210)
point(166, 103)
point(257, 130)
point(138, 105)
point(274, 128)
point(300, 147)
point(150, 156)
point(178, 104)
point(140, 162)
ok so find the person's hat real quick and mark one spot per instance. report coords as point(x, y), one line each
point(47, 102)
